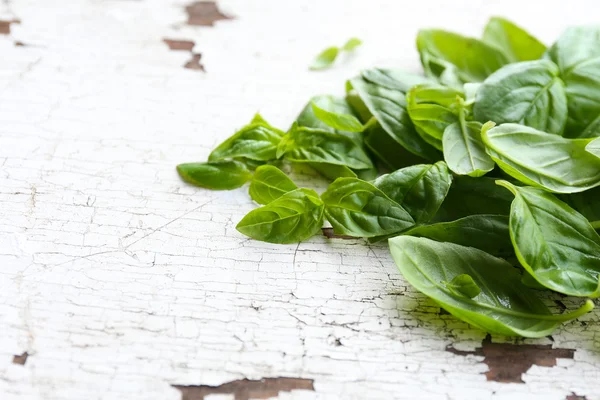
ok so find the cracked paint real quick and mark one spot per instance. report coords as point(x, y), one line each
point(245, 389)
point(20, 359)
point(204, 13)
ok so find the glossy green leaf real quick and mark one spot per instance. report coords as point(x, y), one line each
point(593, 147)
point(514, 41)
point(302, 144)
point(505, 306)
point(386, 149)
point(269, 183)
point(419, 189)
point(541, 159)
point(357, 208)
point(463, 285)
point(351, 44)
point(554, 243)
point(394, 79)
point(484, 232)
point(342, 122)
point(325, 59)
point(220, 175)
point(467, 59)
point(331, 104)
point(587, 203)
point(291, 218)
point(358, 106)
point(256, 141)
point(388, 106)
point(577, 54)
point(464, 151)
point(528, 93)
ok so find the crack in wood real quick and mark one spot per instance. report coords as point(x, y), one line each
point(508, 362)
point(245, 389)
point(204, 13)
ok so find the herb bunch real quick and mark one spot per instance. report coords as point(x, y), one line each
point(493, 185)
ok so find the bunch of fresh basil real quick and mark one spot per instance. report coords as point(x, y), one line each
point(493, 190)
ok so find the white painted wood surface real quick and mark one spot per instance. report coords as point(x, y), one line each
point(119, 280)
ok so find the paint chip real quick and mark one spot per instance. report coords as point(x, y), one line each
point(5, 26)
point(245, 389)
point(194, 63)
point(204, 13)
point(176, 44)
point(573, 396)
point(21, 360)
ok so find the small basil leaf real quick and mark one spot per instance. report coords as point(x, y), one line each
point(468, 59)
point(325, 59)
point(554, 243)
point(505, 306)
point(463, 285)
point(357, 208)
point(528, 93)
point(351, 44)
point(464, 150)
point(419, 189)
point(548, 161)
point(342, 122)
point(484, 232)
point(513, 40)
point(302, 144)
point(291, 218)
point(256, 141)
point(269, 183)
point(223, 175)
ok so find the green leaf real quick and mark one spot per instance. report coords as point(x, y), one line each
point(419, 189)
point(505, 306)
point(394, 79)
point(593, 147)
point(587, 203)
point(270, 183)
point(388, 106)
point(302, 144)
point(554, 243)
point(331, 104)
point(342, 122)
point(464, 150)
point(577, 54)
point(325, 59)
point(484, 232)
point(358, 106)
point(541, 159)
point(351, 44)
point(221, 175)
point(463, 285)
point(528, 93)
point(386, 149)
point(514, 41)
point(291, 218)
point(466, 59)
point(357, 208)
point(256, 141)
point(332, 171)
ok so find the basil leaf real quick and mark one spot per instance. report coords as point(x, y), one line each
point(463, 285)
point(593, 147)
point(467, 59)
point(291, 218)
point(223, 175)
point(325, 59)
point(358, 106)
point(386, 149)
point(587, 203)
point(419, 189)
point(541, 159)
point(514, 41)
point(393, 79)
point(302, 144)
point(388, 106)
point(358, 208)
point(332, 171)
point(528, 93)
point(331, 104)
point(505, 306)
point(256, 141)
point(270, 183)
point(554, 243)
point(342, 122)
point(464, 150)
point(577, 54)
point(351, 44)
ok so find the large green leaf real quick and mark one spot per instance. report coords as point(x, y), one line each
point(357, 208)
point(269, 183)
point(554, 243)
point(291, 218)
point(577, 54)
point(220, 175)
point(528, 93)
point(505, 306)
point(419, 189)
point(466, 59)
point(514, 41)
point(485, 232)
point(464, 150)
point(541, 159)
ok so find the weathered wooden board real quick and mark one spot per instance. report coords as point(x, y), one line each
point(118, 281)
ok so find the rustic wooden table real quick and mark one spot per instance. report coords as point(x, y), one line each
point(118, 281)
